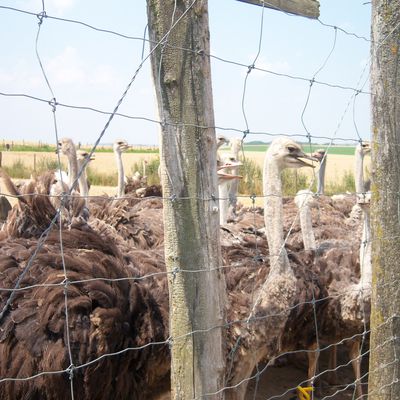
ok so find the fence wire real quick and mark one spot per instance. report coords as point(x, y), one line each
point(66, 282)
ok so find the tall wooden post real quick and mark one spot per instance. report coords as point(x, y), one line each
point(188, 159)
point(385, 208)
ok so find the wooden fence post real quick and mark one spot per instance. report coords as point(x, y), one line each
point(188, 172)
point(385, 208)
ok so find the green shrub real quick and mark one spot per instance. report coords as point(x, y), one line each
point(151, 170)
point(18, 170)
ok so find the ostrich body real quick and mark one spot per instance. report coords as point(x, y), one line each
point(110, 309)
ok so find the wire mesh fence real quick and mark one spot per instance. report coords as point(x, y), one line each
point(84, 286)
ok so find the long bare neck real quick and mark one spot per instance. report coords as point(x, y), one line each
point(72, 166)
point(83, 185)
point(359, 171)
point(365, 252)
point(120, 167)
point(223, 193)
point(273, 216)
point(306, 227)
point(321, 176)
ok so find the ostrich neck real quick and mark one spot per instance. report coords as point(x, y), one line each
point(223, 193)
point(72, 167)
point(83, 186)
point(306, 227)
point(321, 177)
point(359, 172)
point(120, 167)
point(365, 252)
point(273, 217)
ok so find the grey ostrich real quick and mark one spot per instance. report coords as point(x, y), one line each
point(288, 282)
point(321, 156)
point(82, 157)
point(67, 147)
point(348, 310)
point(119, 147)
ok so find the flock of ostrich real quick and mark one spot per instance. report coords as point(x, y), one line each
point(90, 311)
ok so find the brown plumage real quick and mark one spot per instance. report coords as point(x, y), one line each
point(137, 222)
point(103, 316)
point(110, 309)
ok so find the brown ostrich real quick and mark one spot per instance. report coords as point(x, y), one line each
point(113, 341)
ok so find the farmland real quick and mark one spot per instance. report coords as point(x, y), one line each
point(103, 176)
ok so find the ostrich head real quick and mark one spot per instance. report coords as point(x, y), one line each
point(66, 146)
point(319, 154)
point(120, 145)
point(364, 148)
point(221, 140)
point(288, 154)
point(83, 155)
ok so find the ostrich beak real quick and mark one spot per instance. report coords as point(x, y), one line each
point(298, 157)
point(224, 176)
point(229, 164)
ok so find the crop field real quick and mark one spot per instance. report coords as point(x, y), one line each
point(103, 175)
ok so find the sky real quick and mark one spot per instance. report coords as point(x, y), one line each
point(89, 68)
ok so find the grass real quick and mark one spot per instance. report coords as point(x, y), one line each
point(43, 148)
point(293, 180)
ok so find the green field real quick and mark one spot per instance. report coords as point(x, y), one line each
point(340, 150)
point(46, 148)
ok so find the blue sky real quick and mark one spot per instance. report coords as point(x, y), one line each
point(91, 69)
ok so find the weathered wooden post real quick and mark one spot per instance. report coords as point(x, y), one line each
point(179, 38)
point(181, 72)
point(385, 208)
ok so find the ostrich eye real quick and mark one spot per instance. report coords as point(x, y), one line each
point(291, 149)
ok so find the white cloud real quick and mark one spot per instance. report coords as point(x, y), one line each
point(66, 68)
point(103, 75)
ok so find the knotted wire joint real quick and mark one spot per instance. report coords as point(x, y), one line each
point(70, 371)
point(53, 104)
point(40, 17)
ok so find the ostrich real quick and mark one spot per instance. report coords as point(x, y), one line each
point(289, 282)
point(110, 309)
point(361, 150)
point(236, 144)
point(120, 146)
point(348, 310)
point(226, 177)
point(82, 156)
point(321, 156)
point(67, 147)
